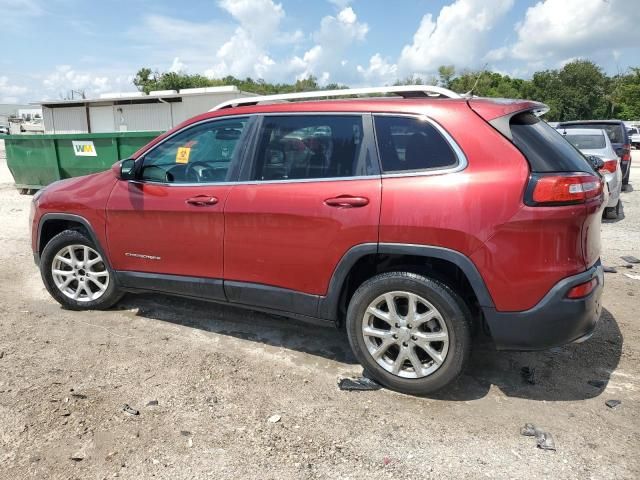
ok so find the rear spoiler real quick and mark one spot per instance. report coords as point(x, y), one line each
point(498, 112)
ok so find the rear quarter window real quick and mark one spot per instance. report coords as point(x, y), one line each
point(408, 144)
point(545, 148)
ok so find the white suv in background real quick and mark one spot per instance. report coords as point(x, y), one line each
point(595, 142)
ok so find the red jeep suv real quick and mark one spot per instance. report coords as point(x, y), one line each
point(407, 220)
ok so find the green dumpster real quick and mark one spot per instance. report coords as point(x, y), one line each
point(37, 160)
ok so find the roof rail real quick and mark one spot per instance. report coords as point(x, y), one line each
point(404, 91)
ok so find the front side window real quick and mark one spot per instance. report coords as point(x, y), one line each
point(299, 147)
point(200, 154)
point(411, 143)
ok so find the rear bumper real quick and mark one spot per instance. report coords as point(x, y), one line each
point(556, 320)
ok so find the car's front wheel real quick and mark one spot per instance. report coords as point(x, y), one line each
point(76, 274)
point(411, 333)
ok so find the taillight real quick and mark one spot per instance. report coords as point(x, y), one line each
point(583, 289)
point(565, 189)
point(626, 152)
point(610, 166)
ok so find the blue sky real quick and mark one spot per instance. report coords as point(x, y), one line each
point(52, 46)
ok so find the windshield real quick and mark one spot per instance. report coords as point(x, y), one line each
point(615, 132)
point(587, 142)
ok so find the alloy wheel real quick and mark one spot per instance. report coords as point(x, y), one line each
point(405, 334)
point(80, 273)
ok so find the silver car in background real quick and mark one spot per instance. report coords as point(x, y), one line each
point(593, 141)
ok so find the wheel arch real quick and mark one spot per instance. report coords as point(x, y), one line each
point(51, 224)
point(363, 261)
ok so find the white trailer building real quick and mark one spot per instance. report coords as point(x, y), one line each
point(133, 111)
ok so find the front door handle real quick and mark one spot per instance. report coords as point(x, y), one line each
point(347, 201)
point(202, 200)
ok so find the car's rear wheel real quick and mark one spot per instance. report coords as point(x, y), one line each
point(411, 333)
point(76, 274)
point(611, 213)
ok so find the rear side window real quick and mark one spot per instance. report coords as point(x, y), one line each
point(586, 142)
point(301, 147)
point(545, 148)
point(410, 143)
point(614, 131)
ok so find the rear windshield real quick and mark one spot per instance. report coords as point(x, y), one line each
point(615, 132)
point(545, 149)
point(587, 142)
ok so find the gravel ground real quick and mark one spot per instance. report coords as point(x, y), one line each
point(207, 378)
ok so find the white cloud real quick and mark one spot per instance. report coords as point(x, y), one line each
point(246, 52)
point(325, 59)
point(177, 66)
point(379, 71)
point(555, 30)
point(10, 93)
point(458, 36)
point(64, 79)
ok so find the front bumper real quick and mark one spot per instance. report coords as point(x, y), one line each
point(556, 320)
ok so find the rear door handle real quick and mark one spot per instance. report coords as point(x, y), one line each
point(347, 201)
point(202, 200)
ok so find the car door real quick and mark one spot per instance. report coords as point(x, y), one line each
point(168, 222)
point(311, 192)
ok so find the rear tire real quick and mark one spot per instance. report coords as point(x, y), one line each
point(401, 349)
point(76, 274)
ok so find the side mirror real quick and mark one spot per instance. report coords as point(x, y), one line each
point(124, 169)
point(596, 162)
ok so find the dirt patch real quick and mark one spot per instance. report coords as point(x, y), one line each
point(206, 379)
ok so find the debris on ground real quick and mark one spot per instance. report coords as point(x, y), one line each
point(386, 461)
point(609, 269)
point(78, 456)
point(612, 403)
point(635, 277)
point(597, 383)
point(360, 384)
point(131, 411)
point(528, 374)
point(274, 418)
point(544, 440)
point(152, 403)
point(79, 396)
point(185, 433)
point(2, 354)
point(630, 259)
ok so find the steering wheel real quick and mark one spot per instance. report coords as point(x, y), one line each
point(196, 171)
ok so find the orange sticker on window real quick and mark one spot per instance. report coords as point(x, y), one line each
point(182, 155)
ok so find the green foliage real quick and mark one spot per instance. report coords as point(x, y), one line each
point(578, 91)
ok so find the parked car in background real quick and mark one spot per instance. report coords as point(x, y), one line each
point(411, 222)
point(4, 130)
point(595, 142)
point(634, 135)
point(617, 132)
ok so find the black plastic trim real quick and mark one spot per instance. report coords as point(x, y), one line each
point(328, 305)
point(556, 320)
point(195, 287)
point(267, 296)
point(70, 218)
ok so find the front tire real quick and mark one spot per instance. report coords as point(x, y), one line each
point(76, 274)
point(411, 333)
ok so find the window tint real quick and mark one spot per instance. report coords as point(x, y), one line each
point(310, 146)
point(544, 147)
point(408, 143)
point(199, 154)
point(586, 142)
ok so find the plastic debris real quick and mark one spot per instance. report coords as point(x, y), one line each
point(361, 384)
point(131, 411)
point(609, 269)
point(630, 259)
point(597, 383)
point(544, 440)
point(529, 375)
point(152, 403)
point(274, 418)
point(612, 403)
